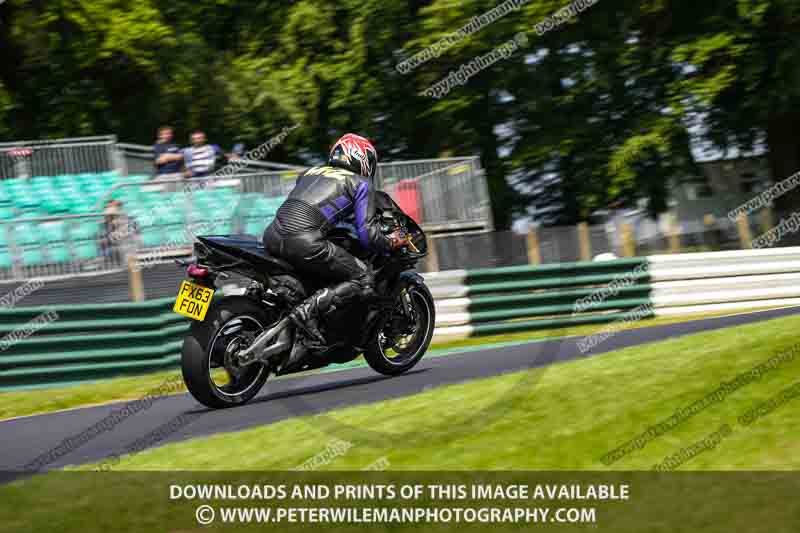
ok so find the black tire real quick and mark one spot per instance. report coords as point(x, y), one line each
point(196, 356)
point(423, 305)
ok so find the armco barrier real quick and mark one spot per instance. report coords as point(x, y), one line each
point(722, 281)
point(86, 342)
point(506, 300)
point(98, 341)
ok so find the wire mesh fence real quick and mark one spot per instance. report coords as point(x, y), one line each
point(60, 246)
point(25, 159)
point(478, 250)
point(440, 194)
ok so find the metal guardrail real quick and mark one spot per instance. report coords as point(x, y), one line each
point(88, 342)
point(139, 160)
point(445, 194)
point(25, 159)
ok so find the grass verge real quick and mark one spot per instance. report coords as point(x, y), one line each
point(572, 415)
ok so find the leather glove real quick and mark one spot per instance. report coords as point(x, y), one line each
point(396, 240)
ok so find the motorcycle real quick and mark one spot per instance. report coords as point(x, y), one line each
point(236, 342)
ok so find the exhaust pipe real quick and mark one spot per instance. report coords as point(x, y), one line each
point(253, 352)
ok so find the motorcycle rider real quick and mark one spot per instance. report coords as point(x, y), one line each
point(324, 196)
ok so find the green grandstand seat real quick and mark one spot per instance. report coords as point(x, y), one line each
point(25, 233)
point(5, 258)
point(93, 187)
point(6, 212)
point(153, 236)
point(15, 184)
point(107, 179)
point(176, 233)
point(83, 230)
point(41, 183)
point(55, 206)
point(66, 181)
point(58, 252)
point(32, 255)
point(127, 195)
point(256, 226)
point(53, 231)
point(81, 204)
point(27, 201)
point(221, 227)
point(172, 216)
point(85, 249)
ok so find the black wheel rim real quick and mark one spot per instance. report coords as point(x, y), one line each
point(406, 347)
point(226, 378)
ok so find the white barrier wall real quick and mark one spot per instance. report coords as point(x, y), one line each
point(725, 281)
point(679, 284)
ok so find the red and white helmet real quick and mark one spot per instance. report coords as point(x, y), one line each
point(356, 154)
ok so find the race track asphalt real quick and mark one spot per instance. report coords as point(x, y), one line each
point(25, 439)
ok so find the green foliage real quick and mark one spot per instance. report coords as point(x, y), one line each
point(591, 114)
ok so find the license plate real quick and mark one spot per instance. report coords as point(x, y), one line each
point(193, 300)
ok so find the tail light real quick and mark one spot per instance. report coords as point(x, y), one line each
point(197, 272)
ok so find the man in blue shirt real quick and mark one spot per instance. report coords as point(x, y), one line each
point(168, 158)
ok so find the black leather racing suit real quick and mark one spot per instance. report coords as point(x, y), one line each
point(323, 197)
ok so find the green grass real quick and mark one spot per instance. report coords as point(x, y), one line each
point(562, 417)
point(38, 401)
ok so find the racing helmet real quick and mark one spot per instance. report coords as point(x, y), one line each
point(356, 154)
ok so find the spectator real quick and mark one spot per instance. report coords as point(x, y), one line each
point(168, 157)
point(237, 152)
point(116, 231)
point(200, 158)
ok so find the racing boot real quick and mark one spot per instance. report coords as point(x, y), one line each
point(306, 317)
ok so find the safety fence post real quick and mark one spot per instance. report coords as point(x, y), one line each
point(767, 221)
point(743, 226)
point(585, 242)
point(674, 234)
point(628, 241)
point(534, 252)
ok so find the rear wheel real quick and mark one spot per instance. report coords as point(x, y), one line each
point(209, 369)
point(402, 341)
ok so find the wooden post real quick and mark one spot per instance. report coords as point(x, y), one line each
point(628, 241)
point(710, 226)
point(584, 241)
point(674, 235)
point(534, 252)
point(135, 281)
point(766, 219)
point(745, 238)
point(432, 259)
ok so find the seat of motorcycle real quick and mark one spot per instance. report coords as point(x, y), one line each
point(251, 249)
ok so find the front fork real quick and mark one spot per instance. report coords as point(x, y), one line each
point(405, 299)
point(376, 319)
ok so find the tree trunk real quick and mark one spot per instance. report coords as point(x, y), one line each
point(500, 192)
point(784, 157)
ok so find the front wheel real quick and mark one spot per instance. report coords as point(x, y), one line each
point(401, 341)
point(209, 368)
